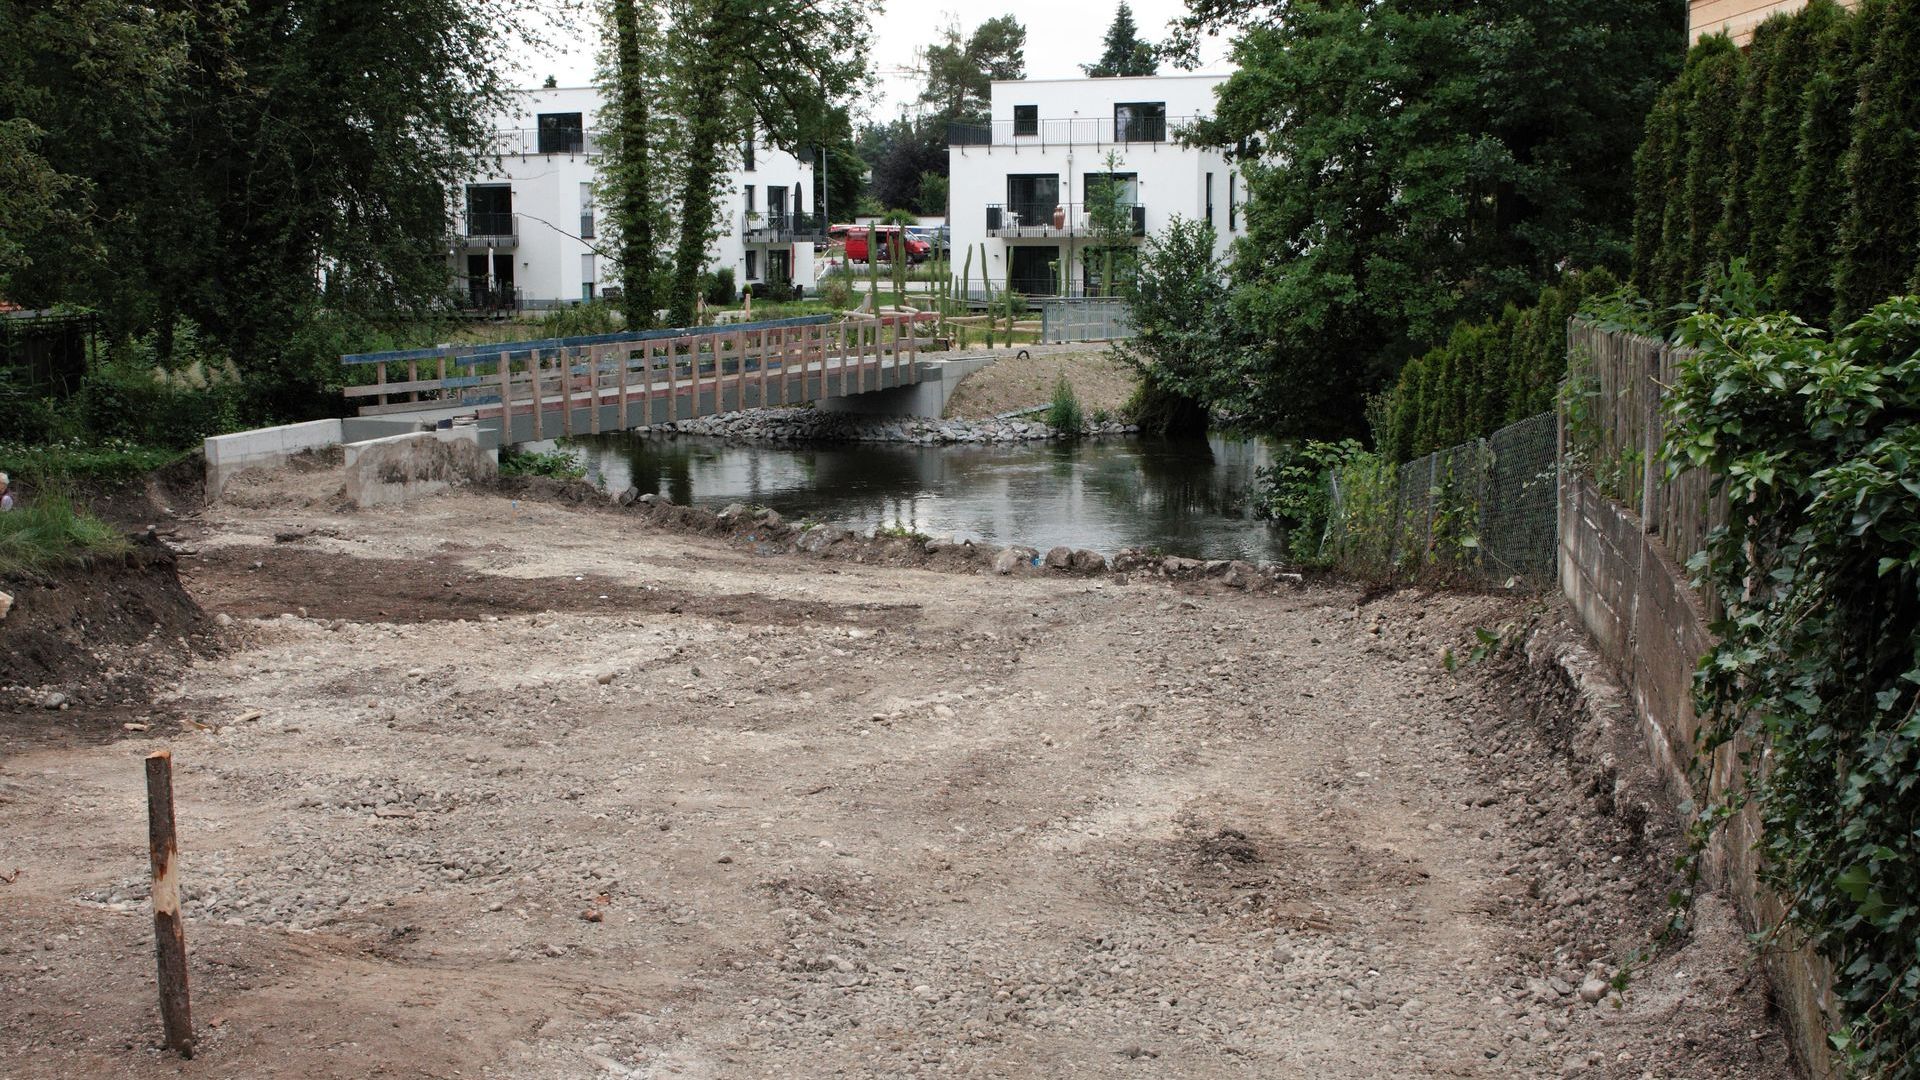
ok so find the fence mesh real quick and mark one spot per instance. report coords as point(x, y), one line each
point(1485, 510)
point(1064, 319)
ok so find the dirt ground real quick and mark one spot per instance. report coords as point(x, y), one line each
point(1099, 380)
point(486, 788)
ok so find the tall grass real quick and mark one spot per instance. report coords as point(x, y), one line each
point(48, 533)
point(1064, 414)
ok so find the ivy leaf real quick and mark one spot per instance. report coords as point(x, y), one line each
point(1855, 882)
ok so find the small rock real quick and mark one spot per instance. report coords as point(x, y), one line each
point(6, 604)
point(1593, 990)
point(53, 700)
point(223, 620)
point(592, 915)
point(603, 678)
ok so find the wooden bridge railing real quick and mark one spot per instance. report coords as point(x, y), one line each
point(752, 364)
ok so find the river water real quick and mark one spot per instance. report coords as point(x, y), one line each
point(1179, 497)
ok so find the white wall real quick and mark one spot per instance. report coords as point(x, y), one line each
point(549, 264)
point(1075, 133)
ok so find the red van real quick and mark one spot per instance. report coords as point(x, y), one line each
point(917, 250)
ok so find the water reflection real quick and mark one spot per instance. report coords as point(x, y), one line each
point(1184, 498)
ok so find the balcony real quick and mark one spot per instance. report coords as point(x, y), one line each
point(759, 228)
point(1048, 220)
point(528, 142)
point(492, 229)
point(1073, 131)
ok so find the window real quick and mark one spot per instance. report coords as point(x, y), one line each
point(1026, 119)
point(750, 203)
point(780, 266)
point(489, 210)
point(1140, 121)
point(746, 153)
point(586, 276)
point(586, 211)
point(1209, 198)
point(753, 266)
point(562, 133)
point(1233, 209)
point(1033, 198)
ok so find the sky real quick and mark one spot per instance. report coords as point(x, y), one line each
point(1061, 35)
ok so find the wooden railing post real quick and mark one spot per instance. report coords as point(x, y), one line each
point(537, 370)
point(506, 397)
point(169, 933)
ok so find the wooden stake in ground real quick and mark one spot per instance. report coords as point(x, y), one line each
point(169, 933)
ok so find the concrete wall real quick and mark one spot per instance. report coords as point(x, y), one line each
point(928, 397)
point(1650, 624)
point(263, 448)
point(399, 468)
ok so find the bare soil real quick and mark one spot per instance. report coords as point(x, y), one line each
point(1099, 380)
point(536, 790)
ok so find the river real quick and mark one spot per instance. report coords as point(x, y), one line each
point(1178, 497)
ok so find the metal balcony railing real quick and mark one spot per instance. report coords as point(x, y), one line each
point(1071, 131)
point(524, 142)
point(783, 228)
point(490, 229)
point(1048, 219)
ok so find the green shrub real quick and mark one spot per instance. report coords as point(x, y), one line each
point(1294, 492)
point(717, 287)
point(836, 288)
point(1063, 412)
point(171, 396)
point(582, 320)
point(46, 532)
point(560, 464)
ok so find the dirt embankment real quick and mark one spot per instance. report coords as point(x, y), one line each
point(541, 791)
point(1099, 380)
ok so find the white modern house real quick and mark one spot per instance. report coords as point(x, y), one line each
point(526, 235)
point(1021, 183)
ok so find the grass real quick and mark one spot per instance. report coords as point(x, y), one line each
point(48, 533)
point(559, 464)
point(42, 465)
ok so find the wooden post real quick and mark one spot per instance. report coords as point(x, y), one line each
point(380, 377)
point(445, 351)
point(673, 378)
point(566, 391)
point(780, 338)
point(506, 398)
point(626, 361)
point(413, 376)
point(536, 369)
point(986, 283)
point(169, 933)
point(595, 354)
point(646, 383)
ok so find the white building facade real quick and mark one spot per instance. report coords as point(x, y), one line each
point(1021, 184)
point(528, 234)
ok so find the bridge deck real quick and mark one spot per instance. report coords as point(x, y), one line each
point(539, 389)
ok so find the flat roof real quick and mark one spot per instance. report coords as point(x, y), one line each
point(1113, 78)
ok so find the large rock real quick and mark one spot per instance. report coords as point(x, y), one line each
point(1175, 566)
point(1239, 575)
point(1060, 558)
point(1088, 562)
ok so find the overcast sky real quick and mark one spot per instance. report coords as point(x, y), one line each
point(1061, 35)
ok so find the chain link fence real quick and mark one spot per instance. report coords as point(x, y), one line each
point(1484, 511)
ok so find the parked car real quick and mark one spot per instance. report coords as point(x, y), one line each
point(917, 250)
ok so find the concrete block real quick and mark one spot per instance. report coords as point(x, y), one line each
point(399, 468)
point(263, 448)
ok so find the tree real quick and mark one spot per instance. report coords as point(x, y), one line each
point(632, 169)
point(960, 72)
point(1177, 298)
point(1412, 165)
point(1816, 201)
point(745, 69)
point(904, 152)
point(1109, 223)
point(1880, 233)
point(1125, 53)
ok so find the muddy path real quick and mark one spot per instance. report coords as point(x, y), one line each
point(532, 791)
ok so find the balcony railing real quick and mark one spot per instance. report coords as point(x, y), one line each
point(1039, 220)
point(525, 142)
point(1072, 131)
point(782, 228)
point(490, 229)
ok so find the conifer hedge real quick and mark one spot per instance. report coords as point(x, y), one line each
point(1800, 155)
point(1486, 376)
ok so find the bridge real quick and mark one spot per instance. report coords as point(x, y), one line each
point(541, 389)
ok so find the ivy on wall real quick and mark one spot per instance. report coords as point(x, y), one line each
point(1815, 441)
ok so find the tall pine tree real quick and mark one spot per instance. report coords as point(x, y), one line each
point(1880, 232)
point(1125, 52)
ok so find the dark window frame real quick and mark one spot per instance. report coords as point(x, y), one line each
point(1026, 120)
point(557, 137)
point(1144, 121)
